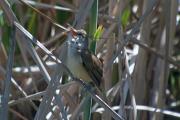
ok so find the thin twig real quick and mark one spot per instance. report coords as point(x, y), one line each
point(18, 114)
point(154, 51)
point(45, 16)
point(145, 108)
point(18, 87)
point(5, 98)
point(131, 89)
point(134, 30)
point(82, 14)
point(38, 96)
point(47, 6)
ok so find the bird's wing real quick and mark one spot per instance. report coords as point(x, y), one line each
point(93, 66)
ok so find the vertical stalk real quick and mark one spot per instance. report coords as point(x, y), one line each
point(92, 30)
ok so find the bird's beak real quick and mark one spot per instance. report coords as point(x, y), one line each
point(73, 32)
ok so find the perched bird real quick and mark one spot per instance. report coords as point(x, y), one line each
point(80, 60)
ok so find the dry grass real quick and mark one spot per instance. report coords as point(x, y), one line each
point(138, 47)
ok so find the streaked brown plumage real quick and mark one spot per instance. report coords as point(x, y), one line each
point(91, 64)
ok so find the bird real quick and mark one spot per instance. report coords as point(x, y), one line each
point(80, 60)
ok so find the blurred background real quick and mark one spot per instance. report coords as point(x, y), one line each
point(138, 42)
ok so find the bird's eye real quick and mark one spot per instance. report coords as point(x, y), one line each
point(80, 34)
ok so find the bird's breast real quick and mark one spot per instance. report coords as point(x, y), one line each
point(74, 63)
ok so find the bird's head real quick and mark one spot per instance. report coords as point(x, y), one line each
point(79, 39)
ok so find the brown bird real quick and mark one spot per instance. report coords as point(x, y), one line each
point(80, 60)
